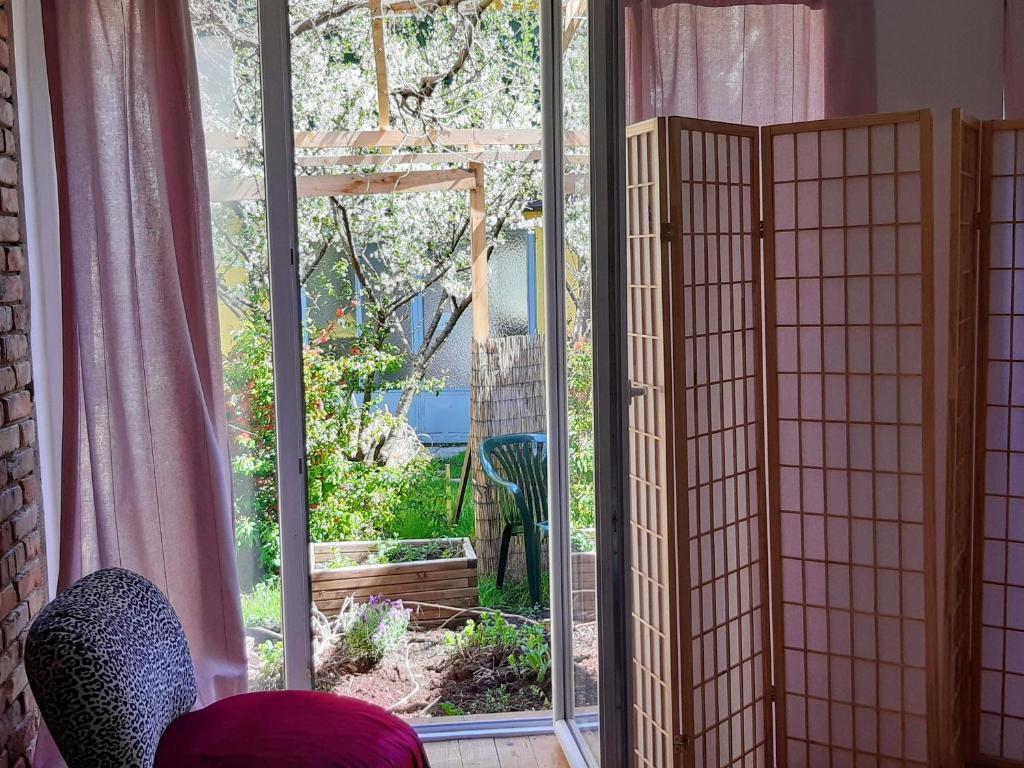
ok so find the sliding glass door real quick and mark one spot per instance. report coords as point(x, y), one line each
point(404, 228)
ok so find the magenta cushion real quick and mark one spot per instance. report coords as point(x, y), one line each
point(291, 728)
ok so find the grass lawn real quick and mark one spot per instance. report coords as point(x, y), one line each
point(423, 513)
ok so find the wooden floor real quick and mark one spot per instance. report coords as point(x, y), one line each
point(522, 752)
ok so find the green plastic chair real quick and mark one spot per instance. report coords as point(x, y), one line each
point(519, 465)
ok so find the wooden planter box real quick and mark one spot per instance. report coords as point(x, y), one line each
point(451, 583)
point(584, 586)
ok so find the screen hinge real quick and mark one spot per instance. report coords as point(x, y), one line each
point(681, 743)
point(668, 231)
point(977, 221)
point(771, 693)
point(760, 229)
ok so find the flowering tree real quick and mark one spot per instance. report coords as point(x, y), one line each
point(452, 64)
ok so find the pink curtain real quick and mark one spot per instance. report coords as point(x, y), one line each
point(146, 472)
point(1013, 57)
point(750, 61)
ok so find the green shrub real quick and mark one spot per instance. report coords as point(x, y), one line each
point(372, 630)
point(262, 606)
point(422, 512)
point(513, 597)
point(271, 672)
point(526, 648)
point(351, 495)
point(580, 386)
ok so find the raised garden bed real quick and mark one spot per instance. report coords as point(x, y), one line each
point(447, 575)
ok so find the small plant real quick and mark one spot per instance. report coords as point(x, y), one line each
point(493, 632)
point(403, 552)
point(534, 655)
point(450, 710)
point(582, 541)
point(271, 671)
point(372, 630)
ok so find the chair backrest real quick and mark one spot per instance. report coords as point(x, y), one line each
point(110, 667)
point(519, 464)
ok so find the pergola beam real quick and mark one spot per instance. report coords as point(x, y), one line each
point(429, 158)
point(326, 185)
point(394, 139)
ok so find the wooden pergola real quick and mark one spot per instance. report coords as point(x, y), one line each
point(467, 151)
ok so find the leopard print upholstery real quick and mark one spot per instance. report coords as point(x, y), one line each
point(109, 665)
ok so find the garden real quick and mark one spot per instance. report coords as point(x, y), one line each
point(405, 613)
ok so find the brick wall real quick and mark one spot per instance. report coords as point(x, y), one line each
point(23, 588)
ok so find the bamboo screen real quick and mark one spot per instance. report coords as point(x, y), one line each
point(999, 550)
point(848, 314)
point(960, 465)
point(698, 534)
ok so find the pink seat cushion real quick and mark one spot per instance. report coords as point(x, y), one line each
point(290, 728)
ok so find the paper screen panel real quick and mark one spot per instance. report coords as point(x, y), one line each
point(651, 453)
point(714, 178)
point(960, 463)
point(1000, 492)
point(850, 410)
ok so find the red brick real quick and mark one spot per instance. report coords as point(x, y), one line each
point(30, 489)
point(37, 599)
point(12, 288)
point(26, 581)
point(28, 433)
point(21, 316)
point(14, 624)
point(10, 439)
point(17, 405)
point(24, 523)
point(33, 545)
point(21, 463)
point(11, 500)
point(13, 346)
point(23, 373)
point(9, 202)
point(10, 229)
point(15, 260)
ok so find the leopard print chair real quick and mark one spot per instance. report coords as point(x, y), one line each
point(109, 665)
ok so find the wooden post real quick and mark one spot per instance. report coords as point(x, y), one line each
point(478, 248)
point(380, 64)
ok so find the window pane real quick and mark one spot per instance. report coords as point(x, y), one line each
point(579, 351)
point(408, 198)
point(227, 55)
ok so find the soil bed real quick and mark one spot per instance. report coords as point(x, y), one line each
point(421, 679)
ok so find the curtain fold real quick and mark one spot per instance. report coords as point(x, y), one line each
point(750, 61)
point(146, 479)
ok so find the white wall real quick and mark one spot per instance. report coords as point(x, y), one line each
point(43, 238)
point(940, 54)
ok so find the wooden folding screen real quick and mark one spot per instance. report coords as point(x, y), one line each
point(994, 534)
point(960, 464)
point(840, 666)
point(700, 618)
point(850, 410)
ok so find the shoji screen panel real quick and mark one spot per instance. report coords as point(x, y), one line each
point(999, 569)
point(700, 619)
point(716, 293)
point(652, 450)
point(850, 410)
point(960, 464)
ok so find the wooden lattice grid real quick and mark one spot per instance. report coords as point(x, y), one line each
point(851, 446)
point(699, 533)
point(997, 711)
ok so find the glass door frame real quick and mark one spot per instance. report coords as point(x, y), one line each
point(607, 84)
